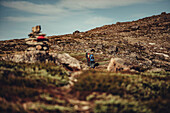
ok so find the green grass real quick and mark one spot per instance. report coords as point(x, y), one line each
point(103, 63)
point(134, 93)
point(49, 108)
point(33, 73)
point(38, 88)
point(110, 103)
point(21, 82)
point(79, 56)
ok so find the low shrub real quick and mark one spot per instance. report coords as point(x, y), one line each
point(141, 87)
point(129, 93)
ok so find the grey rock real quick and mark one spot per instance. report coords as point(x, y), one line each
point(34, 43)
point(133, 28)
point(156, 70)
point(69, 61)
point(28, 57)
point(117, 64)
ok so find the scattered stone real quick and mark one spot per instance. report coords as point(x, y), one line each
point(151, 43)
point(154, 70)
point(133, 28)
point(133, 55)
point(165, 55)
point(112, 49)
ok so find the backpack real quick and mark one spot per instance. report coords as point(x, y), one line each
point(91, 57)
point(88, 55)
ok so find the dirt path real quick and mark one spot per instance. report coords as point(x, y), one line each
point(79, 105)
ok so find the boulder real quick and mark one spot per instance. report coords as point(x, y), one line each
point(117, 64)
point(133, 28)
point(68, 61)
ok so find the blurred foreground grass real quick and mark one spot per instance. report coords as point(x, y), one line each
point(39, 88)
point(116, 92)
point(32, 87)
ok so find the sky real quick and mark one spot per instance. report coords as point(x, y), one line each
point(58, 17)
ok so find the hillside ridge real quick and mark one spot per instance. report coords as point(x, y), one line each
point(51, 74)
point(143, 44)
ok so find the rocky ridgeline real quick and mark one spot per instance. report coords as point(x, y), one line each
point(153, 29)
point(142, 45)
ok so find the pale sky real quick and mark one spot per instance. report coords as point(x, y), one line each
point(58, 17)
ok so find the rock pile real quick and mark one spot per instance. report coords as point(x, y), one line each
point(37, 40)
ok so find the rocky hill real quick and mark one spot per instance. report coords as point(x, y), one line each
point(143, 44)
point(58, 79)
point(145, 41)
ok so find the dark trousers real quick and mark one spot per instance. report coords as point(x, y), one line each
point(92, 64)
point(88, 62)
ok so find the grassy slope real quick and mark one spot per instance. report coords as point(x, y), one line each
point(32, 87)
point(116, 92)
point(39, 88)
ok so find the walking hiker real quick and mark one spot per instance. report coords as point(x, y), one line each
point(88, 58)
point(92, 63)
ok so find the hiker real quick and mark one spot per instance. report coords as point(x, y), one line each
point(88, 58)
point(92, 63)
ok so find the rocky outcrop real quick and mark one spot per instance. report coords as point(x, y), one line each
point(29, 57)
point(41, 56)
point(117, 64)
